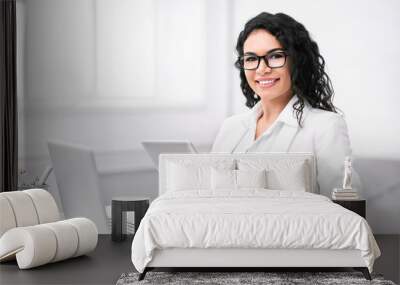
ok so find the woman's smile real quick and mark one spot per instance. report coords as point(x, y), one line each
point(266, 82)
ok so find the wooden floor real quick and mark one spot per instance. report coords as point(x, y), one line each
point(111, 259)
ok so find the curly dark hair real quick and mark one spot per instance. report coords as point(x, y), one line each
point(309, 80)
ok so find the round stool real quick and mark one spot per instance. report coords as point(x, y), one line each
point(122, 204)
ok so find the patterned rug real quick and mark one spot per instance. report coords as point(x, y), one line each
point(243, 278)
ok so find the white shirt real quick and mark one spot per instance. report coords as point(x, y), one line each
point(323, 133)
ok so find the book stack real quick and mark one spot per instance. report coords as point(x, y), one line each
point(344, 194)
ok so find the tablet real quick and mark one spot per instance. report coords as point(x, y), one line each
point(155, 148)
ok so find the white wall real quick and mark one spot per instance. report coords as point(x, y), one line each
point(60, 72)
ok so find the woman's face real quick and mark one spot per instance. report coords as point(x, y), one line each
point(270, 84)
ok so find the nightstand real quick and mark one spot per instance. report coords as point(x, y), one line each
point(128, 203)
point(357, 206)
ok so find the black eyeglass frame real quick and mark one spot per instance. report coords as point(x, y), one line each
point(239, 61)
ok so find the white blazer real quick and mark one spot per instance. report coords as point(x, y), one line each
point(323, 133)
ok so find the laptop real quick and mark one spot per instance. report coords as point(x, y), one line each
point(155, 148)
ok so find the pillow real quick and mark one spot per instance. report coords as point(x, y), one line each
point(288, 178)
point(223, 179)
point(192, 172)
point(251, 178)
point(184, 177)
point(282, 174)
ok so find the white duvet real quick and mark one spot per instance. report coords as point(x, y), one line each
point(250, 219)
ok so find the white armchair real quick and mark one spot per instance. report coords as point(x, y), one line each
point(31, 231)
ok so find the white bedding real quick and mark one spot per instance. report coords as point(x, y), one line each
point(251, 218)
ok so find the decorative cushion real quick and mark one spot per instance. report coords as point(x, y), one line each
point(216, 173)
point(290, 178)
point(251, 178)
point(223, 179)
point(186, 174)
point(185, 177)
point(228, 179)
point(282, 174)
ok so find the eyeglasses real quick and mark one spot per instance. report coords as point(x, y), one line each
point(273, 59)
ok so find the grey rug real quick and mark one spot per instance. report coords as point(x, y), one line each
point(270, 278)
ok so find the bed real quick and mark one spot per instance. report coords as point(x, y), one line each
point(245, 211)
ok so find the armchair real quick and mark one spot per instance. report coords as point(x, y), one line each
point(31, 231)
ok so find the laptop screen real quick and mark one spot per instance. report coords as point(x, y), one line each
point(155, 148)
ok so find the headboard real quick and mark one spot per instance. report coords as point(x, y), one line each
point(210, 158)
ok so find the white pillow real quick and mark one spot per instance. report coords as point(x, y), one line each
point(282, 174)
point(288, 178)
point(251, 178)
point(193, 172)
point(187, 177)
point(223, 179)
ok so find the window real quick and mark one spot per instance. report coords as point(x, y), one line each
point(150, 52)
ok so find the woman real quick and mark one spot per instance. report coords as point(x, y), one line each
point(290, 95)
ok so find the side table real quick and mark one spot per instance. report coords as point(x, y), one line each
point(357, 206)
point(122, 204)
